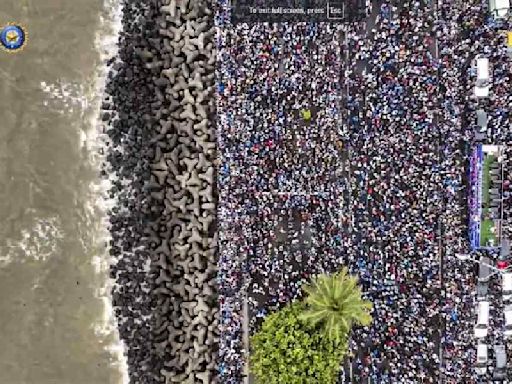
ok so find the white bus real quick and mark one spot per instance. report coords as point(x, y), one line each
point(482, 320)
point(499, 8)
point(482, 77)
point(481, 359)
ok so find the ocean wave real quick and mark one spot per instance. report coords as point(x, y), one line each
point(65, 97)
point(37, 243)
point(95, 141)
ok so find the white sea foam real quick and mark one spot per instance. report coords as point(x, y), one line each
point(65, 97)
point(37, 243)
point(94, 140)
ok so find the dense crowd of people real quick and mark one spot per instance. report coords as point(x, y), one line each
point(397, 194)
point(280, 175)
point(292, 203)
point(507, 195)
point(293, 238)
point(467, 30)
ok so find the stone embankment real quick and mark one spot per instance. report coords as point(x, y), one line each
point(161, 151)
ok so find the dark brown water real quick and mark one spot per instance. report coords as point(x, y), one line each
point(55, 323)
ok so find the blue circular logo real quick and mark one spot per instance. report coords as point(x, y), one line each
point(13, 37)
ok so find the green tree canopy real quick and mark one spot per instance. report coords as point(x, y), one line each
point(288, 350)
point(334, 302)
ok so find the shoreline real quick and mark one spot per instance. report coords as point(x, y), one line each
point(106, 45)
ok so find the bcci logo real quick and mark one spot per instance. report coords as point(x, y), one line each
point(13, 37)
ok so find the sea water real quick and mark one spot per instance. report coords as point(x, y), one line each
point(56, 322)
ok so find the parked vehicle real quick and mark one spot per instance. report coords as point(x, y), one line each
point(483, 80)
point(499, 8)
point(508, 321)
point(506, 284)
point(481, 120)
point(500, 370)
point(484, 269)
point(482, 290)
point(481, 359)
point(482, 320)
point(504, 254)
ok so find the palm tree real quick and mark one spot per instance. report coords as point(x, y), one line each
point(334, 302)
